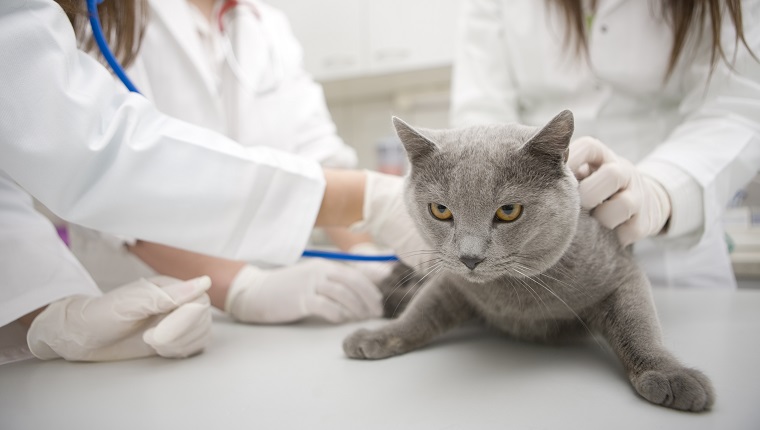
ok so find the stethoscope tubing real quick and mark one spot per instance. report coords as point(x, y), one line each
point(113, 63)
point(100, 40)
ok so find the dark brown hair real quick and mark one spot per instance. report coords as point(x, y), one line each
point(123, 23)
point(684, 16)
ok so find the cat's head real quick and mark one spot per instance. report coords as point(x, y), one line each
point(493, 200)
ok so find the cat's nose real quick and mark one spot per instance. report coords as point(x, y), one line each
point(470, 261)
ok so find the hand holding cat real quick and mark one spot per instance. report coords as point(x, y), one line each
point(620, 196)
point(332, 291)
point(387, 220)
point(374, 271)
point(157, 316)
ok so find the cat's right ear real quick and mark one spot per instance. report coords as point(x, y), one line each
point(417, 146)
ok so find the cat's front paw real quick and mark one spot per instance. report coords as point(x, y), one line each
point(683, 388)
point(372, 344)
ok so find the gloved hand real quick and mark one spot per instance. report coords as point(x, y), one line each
point(162, 315)
point(326, 289)
point(622, 197)
point(375, 271)
point(387, 220)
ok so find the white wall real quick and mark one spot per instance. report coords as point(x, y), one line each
point(362, 108)
point(376, 59)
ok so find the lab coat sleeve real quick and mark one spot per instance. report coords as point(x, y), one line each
point(36, 266)
point(482, 89)
point(313, 127)
point(106, 159)
point(715, 151)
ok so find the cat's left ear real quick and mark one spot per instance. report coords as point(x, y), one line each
point(417, 146)
point(553, 140)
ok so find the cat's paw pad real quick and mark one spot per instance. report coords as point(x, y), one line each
point(371, 345)
point(684, 389)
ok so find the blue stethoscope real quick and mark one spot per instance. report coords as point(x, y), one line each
point(113, 63)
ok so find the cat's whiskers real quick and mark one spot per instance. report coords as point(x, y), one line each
point(569, 286)
point(508, 262)
point(583, 323)
point(563, 270)
point(417, 253)
point(435, 275)
point(436, 260)
point(409, 274)
point(547, 311)
point(433, 269)
point(517, 294)
point(565, 284)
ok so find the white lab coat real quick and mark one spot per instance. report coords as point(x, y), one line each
point(174, 71)
point(180, 72)
point(701, 141)
point(100, 157)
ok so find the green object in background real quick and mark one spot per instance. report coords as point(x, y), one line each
point(730, 243)
point(589, 20)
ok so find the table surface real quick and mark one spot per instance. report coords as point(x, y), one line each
point(296, 377)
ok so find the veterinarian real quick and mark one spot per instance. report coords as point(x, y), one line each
point(666, 101)
point(236, 68)
point(104, 158)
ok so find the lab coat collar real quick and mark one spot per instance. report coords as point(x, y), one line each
point(175, 15)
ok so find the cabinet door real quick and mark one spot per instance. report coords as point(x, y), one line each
point(411, 34)
point(332, 33)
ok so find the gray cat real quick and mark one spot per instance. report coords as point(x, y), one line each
point(501, 208)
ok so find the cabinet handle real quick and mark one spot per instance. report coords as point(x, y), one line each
point(336, 61)
point(391, 54)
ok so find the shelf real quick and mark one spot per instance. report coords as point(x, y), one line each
point(367, 87)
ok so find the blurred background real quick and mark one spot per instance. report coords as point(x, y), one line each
point(393, 57)
point(376, 59)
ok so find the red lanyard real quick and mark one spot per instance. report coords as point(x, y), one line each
point(228, 5)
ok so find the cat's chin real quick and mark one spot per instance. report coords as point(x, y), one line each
point(475, 276)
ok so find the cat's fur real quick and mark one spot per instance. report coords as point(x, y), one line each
point(553, 273)
point(399, 288)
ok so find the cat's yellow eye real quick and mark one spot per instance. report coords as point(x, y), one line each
point(440, 212)
point(509, 213)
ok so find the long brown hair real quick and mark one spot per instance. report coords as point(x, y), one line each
point(683, 16)
point(123, 24)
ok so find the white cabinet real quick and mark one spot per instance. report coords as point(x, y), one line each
point(410, 34)
point(332, 33)
point(352, 38)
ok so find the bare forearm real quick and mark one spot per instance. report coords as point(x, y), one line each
point(345, 239)
point(341, 207)
point(187, 265)
point(343, 198)
point(27, 319)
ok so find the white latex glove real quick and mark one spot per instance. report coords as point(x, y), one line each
point(375, 271)
point(622, 198)
point(321, 288)
point(387, 220)
point(160, 316)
